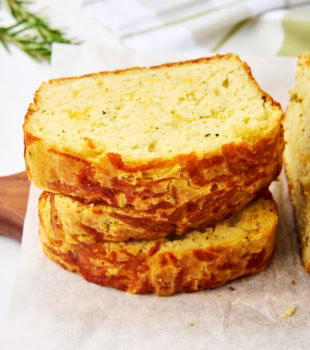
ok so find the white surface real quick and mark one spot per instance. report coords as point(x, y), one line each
point(55, 309)
point(9, 256)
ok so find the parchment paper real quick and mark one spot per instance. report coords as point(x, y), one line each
point(55, 309)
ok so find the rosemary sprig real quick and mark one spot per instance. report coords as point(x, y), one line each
point(30, 33)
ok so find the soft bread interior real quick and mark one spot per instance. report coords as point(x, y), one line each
point(154, 113)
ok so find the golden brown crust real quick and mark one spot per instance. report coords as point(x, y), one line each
point(148, 268)
point(297, 226)
point(189, 191)
point(160, 183)
point(97, 223)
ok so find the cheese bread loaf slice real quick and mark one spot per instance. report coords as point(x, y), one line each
point(156, 138)
point(241, 245)
point(95, 223)
point(297, 154)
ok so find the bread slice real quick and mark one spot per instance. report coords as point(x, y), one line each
point(297, 154)
point(241, 245)
point(190, 139)
point(95, 223)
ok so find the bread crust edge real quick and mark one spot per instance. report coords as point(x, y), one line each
point(162, 273)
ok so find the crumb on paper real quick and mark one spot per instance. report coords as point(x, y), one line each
point(293, 282)
point(231, 289)
point(220, 296)
point(268, 324)
point(192, 324)
point(203, 294)
point(298, 267)
point(243, 280)
point(289, 311)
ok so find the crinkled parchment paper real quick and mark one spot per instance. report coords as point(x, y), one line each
point(55, 309)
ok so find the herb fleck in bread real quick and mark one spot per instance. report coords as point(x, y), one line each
point(297, 154)
point(163, 140)
point(241, 245)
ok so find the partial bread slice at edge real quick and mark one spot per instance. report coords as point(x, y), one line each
point(241, 245)
point(297, 155)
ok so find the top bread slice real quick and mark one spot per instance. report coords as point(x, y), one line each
point(157, 138)
point(297, 154)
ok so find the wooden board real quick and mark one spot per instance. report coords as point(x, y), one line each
point(14, 191)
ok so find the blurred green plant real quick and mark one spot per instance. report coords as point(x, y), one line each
point(30, 33)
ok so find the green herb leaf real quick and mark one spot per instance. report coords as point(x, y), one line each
point(30, 33)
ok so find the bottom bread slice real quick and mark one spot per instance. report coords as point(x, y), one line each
point(238, 246)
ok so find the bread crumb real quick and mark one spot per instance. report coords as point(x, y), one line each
point(289, 311)
point(220, 296)
point(298, 267)
point(243, 280)
point(89, 142)
point(231, 289)
point(203, 294)
point(268, 324)
point(293, 282)
point(192, 324)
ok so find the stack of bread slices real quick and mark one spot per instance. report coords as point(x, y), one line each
point(156, 179)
